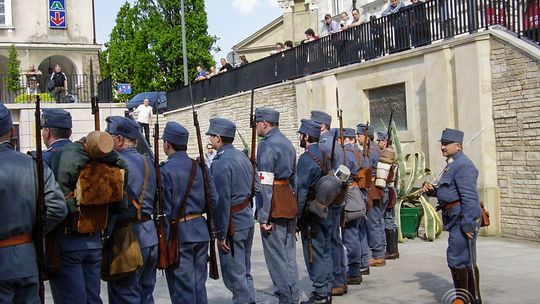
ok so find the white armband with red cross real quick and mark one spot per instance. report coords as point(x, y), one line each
point(266, 178)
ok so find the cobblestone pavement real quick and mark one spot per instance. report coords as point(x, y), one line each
point(509, 271)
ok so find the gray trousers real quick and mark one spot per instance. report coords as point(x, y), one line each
point(20, 291)
point(280, 255)
point(236, 270)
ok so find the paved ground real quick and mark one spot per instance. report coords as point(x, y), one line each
point(509, 270)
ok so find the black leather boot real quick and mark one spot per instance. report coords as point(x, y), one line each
point(471, 285)
point(460, 277)
point(392, 252)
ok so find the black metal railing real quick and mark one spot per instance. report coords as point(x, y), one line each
point(414, 26)
point(78, 88)
point(105, 91)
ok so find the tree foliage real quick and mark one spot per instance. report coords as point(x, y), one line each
point(13, 67)
point(145, 46)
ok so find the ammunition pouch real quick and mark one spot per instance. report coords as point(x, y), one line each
point(374, 194)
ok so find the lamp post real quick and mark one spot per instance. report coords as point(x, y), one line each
point(184, 47)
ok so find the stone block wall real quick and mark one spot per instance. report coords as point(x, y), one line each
point(236, 108)
point(516, 113)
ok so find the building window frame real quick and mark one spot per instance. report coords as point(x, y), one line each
point(8, 21)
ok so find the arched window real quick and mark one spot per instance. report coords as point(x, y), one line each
point(5, 13)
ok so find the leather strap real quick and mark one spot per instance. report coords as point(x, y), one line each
point(281, 182)
point(16, 240)
point(182, 213)
point(134, 221)
point(451, 205)
point(323, 165)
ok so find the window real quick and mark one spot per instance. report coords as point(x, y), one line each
point(381, 103)
point(5, 12)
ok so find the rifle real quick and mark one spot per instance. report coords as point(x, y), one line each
point(41, 210)
point(213, 267)
point(340, 118)
point(163, 254)
point(389, 133)
point(253, 125)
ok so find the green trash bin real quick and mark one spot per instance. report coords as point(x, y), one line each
point(410, 221)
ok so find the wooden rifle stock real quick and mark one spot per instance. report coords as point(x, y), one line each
point(95, 112)
point(366, 141)
point(40, 206)
point(340, 118)
point(163, 255)
point(213, 272)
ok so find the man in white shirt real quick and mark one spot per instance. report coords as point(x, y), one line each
point(144, 116)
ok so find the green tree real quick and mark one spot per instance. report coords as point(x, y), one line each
point(13, 66)
point(145, 46)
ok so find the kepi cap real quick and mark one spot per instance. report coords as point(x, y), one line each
point(56, 118)
point(175, 133)
point(118, 125)
point(222, 127)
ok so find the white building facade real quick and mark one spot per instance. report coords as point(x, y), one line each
point(46, 33)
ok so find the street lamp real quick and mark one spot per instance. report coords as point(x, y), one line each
point(184, 47)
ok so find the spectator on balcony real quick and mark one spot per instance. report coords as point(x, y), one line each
point(211, 72)
point(310, 35)
point(243, 60)
point(375, 46)
point(225, 66)
point(59, 84)
point(288, 44)
point(201, 74)
point(398, 17)
point(419, 24)
point(330, 25)
point(32, 88)
point(345, 19)
point(357, 19)
point(32, 72)
point(280, 47)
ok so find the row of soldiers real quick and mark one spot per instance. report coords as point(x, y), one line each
point(281, 186)
point(339, 232)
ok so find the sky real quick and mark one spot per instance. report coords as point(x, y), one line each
point(230, 20)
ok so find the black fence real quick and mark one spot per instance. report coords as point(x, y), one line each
point(414, 26)
point(78, 88)
point(105, 91)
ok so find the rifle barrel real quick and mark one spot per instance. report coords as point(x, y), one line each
point(40, 208)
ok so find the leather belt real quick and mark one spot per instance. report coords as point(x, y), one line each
point(448, 206)
point(188, 217)
point(237, 208)
point(281, 182)
point(133, 221)
point(16, 240)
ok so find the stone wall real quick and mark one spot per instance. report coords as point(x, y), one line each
point(236, 108)
point(516, 111)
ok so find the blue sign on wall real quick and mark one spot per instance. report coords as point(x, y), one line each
point(124, 88)
point(57, 14)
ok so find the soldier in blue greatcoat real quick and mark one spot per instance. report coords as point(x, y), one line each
point(316, 232)
point(354, 235)
point(458, 200)
point(276, 204)
point(184, 222)
point(80, 254)
point(19, 282)
point(139, 286)
point(327, 145)
point(236, 182)
point(379, 198)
